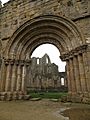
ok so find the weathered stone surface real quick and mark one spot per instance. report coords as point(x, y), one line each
point(9, 96)
point(63, 99)
point(24, 25)
point(44, 76)
point(86, 100)
point(3, 96)
point(35, 99)
point(27, 97)
point(25, 10)
point(15, 96)
point(54, 100)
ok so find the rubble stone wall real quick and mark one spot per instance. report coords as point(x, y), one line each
point(16, 12)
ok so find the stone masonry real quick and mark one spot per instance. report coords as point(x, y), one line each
point(44, 76)
point(26, 24)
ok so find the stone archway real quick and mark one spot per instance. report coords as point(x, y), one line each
point(56, 30)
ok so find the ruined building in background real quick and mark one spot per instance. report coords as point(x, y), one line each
point(27, 24)
point(44, 76)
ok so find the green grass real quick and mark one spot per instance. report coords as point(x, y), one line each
point(48, 95)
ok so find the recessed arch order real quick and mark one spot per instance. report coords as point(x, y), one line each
point(56, 30)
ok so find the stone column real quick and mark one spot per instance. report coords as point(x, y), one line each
point(68, 77)
point(0, 73)
point(65, 81)
point(14, 78)
point(77, 74)
point(60, 82)
point(23, 78)
point(19, 79)
point(3, 76)
point(73, 84)
point(86, 67)
point(26, 74)
point(82, 73)
point(8, 77)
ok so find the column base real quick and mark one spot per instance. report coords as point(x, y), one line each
point(79, 97)
point(9, 96)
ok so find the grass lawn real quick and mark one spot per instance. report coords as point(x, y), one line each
point(48, 95)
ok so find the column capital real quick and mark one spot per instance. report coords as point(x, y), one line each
point(75, 52)
point(27, 62)
point(17, 62)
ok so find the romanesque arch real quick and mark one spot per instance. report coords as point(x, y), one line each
point(61, 32)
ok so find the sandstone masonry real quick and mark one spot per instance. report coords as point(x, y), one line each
point(44, 76)
point(26, 24)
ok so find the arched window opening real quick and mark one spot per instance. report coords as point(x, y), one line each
point(47, 60)
point(38, 61)
point(62, 81)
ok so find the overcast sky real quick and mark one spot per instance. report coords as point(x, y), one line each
point(4, 1)
point(53, 53)
point(51, 50)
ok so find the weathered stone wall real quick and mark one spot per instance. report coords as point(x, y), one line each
point(73, 41)
point(16, 12)
point(44, 76)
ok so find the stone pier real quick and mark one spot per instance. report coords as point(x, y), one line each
point(14, 82)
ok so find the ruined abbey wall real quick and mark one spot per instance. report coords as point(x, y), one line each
point(16, 12)
point(44, 76)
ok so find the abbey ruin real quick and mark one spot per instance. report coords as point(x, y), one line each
point(26, 24)
point(45, 76)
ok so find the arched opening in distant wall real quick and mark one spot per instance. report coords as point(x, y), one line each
point(62, 82)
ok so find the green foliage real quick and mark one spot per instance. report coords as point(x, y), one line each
point(48, 95)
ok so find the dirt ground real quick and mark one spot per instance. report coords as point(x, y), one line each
point(40, 110)
point(78, 112)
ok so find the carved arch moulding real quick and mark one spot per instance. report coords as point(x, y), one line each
point(61, 32)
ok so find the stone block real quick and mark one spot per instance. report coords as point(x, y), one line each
point(35, 99)
point(86, 100)
point(15, 96)
point(27, 97)
point(64, 99)
point(9, 96)
point(3, 96)
point(21, 95)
